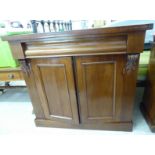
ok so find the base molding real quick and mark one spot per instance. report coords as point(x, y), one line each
point(113, 126)
point(147, 117)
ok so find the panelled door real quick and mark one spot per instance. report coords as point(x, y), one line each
point(55, 84)
point(100, 88)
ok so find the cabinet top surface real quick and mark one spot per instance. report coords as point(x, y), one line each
point(95, 32)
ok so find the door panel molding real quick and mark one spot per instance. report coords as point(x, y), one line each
point(100, 97)
point(114, 87)
point(55, 83)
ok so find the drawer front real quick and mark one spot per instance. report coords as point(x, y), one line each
point(11, 76)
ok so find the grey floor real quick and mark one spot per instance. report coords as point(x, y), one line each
point(16, 117)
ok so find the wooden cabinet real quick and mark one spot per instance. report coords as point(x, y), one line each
point(84, 78)
point(84, 90)
point(148, 104)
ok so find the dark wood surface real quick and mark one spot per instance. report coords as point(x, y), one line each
point(113, 40)
point(98, 88)
point(148, 105)
point(86, 32)
point(55, 84)
point(103, 91)
point(84, 78)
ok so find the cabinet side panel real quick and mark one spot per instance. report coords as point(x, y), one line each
point(37, 108)
point(129, 89)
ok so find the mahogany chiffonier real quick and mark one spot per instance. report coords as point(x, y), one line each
point(82, 78)
point(148, 104)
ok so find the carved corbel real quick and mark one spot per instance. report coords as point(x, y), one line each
point(132, 60)
point(25, 66)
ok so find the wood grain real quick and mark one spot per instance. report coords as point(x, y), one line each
point(135, 41)
point(100, 45)
point(80, 33)
point(114, 126)
point(127, 39)
point(17, 50)
point(99, 89)
point(55, 83)
point(11, 74)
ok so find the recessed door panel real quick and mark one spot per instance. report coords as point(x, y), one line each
point(100, 95)
point(56, 87)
